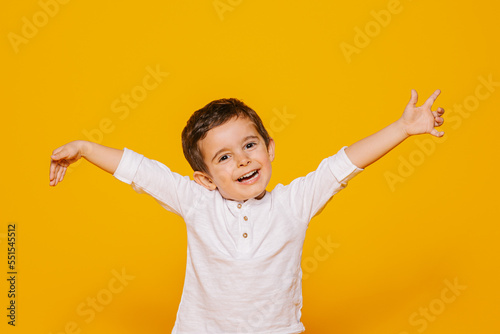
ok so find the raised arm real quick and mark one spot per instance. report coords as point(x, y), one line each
point(414, 121)
point(104, 157)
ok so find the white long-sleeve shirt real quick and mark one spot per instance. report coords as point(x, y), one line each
point(243, 272)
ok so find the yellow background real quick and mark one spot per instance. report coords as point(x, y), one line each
point(396, 246)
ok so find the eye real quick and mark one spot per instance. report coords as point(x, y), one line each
point(250, 145)
point(224, 157)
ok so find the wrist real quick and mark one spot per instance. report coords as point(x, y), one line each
point(84, 147)
point(401, 128)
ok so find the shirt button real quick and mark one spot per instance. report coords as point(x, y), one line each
point(239, 206)
point(245, 235)
point(246, 218)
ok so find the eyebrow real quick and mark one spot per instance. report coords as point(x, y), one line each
point(224, 149)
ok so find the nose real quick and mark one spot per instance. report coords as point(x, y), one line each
point(243, 160)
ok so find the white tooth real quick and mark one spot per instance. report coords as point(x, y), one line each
point(248, 174)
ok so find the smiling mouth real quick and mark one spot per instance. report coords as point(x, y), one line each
point(249, 176)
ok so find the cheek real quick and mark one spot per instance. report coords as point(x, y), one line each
point(223, 175)
point(265, 158)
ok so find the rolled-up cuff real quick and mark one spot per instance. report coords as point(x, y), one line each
point(342, 168)
point(127, 168)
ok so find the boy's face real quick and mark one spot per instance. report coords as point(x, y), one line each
point(231, 151)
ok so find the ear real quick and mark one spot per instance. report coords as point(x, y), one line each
point(204, 180)
point(270, 149)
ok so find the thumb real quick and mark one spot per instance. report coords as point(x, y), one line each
point(57, 156)
point(437, 133)
point(413, 98)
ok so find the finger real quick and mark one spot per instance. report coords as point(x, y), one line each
point(53, 175)
point(438, 121)
point(64, 173)
point(413, 98)
point(55, 180)
point(59, 174)
point(52, 169)
point(58, 154)
point(432, 98)
point(438, 112)
point(51, 178)
point(437, 133)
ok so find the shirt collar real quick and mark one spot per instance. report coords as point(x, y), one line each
point(236, 206)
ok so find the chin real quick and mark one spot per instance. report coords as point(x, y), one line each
point(241, 198)
point(260, 193)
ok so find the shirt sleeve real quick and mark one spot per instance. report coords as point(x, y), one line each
point(309, 194)
point(174, 192)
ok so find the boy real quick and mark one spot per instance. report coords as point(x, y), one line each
point(243, 271)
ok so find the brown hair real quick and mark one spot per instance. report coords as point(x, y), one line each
point(210, 116)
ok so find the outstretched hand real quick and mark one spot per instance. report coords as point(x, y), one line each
point(61, 158)
point(420, 120)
